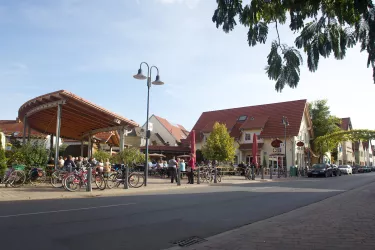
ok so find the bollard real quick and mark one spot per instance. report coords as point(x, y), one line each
point(126, 177)
point(271, 171)
point(215, 179)
point(199, 176)
point(89, 179)
point(178, 177)
point(252, 173)
point(262, 173)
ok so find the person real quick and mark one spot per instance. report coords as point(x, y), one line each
point(79, 163)
point(107, 168)
point(182, 166)
point(242, 167)
point(172, 167)
point(190, 169)
point(61, 162)
point(69, 164)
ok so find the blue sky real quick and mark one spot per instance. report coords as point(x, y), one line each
point(93, 47)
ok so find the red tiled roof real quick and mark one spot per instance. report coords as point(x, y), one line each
point(249, 146)
point(177, 131)
point(8, 127)
point(273, 128)
point(255, 122)
point(345, 123)
point(235, 131)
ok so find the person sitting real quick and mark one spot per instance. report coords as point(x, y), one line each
point(69, 164)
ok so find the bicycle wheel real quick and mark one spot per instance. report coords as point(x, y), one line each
point(111, 181)
point(17, 178)
point(136, 180)
point(99, 181)
point(218, 177)
point(72, 183)
point(57, 178)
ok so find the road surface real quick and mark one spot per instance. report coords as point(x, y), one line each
point(157, 220)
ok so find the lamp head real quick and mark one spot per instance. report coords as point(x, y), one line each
point(140, 75)
point(157, 81)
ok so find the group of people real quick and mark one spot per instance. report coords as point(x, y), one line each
point(173, 165)
point(70, 163)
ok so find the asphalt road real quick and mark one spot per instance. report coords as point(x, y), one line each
point(156, 220)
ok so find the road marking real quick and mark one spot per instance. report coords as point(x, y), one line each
point(65, 210)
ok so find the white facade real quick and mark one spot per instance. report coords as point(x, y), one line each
point(159, 128)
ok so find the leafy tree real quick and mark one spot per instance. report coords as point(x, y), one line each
point(219, 145)
point(3, 162)
point(323, 123)
point(323, 27)
point(129, 156)
point(101, 155)
point(29, 154)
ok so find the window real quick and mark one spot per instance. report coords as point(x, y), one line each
point(247, 137)
point(242, 118)
point(258, 137)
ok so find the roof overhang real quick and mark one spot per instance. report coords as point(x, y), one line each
point(79, 117)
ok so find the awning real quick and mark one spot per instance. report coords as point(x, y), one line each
point(79, 117)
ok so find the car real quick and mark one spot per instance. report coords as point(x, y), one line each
point(346, 169)
point(367, 169)
point(361, 169)
point(355, 169)
point(372, 168)
point(335, 170)
point(321, 169)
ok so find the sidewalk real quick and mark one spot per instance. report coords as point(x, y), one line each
point(46, 191)
point(345, 221)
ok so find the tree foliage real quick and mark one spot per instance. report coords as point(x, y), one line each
point(129, 156)
point(343, 135)
point(219, 145)
point(323, 28)
point(323, 123)
point(29, 154)
point(101, 155)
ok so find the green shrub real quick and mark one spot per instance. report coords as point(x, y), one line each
point(101, 155)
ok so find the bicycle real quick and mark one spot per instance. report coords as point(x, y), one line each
point(15, 177)
point(37, 176)
point(135, 179)
point(76, 179)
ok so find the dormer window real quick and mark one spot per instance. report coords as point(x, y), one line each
point(242, 118)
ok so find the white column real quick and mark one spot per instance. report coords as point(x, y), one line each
point(122, 139)
point(58, 127)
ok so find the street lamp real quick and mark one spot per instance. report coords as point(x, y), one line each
point(285, 123)
point(157, 81)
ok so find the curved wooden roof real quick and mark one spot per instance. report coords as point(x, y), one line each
point(79, 117)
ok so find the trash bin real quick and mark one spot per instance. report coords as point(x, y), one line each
point(293, 171)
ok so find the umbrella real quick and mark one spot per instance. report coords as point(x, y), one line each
point(156, 155)
point(255, 150)
point(183, 156)
point(192, 144)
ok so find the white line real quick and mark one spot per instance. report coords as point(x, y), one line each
point(65, 210)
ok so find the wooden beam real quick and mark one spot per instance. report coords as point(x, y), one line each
point(108, 129)
point(44, 106)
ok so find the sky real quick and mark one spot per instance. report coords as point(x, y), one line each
point(93, 48)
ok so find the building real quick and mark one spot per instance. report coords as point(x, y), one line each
point(368, 153)
point(345, 154)
point(359, 153)
point(266, 122)
point(13, 131)
point(165, 133)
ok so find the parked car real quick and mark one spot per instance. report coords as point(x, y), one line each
point(372, 168)
point(346, 169)
point(321, 169)
point(335, 170)
point(361, 169)
point(367, 169)
point(355, 169)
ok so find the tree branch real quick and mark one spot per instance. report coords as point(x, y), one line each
point(277, 31)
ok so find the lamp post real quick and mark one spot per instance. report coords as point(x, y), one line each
point(157, 81)
point(286, 123)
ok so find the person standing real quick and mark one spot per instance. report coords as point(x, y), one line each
point(173, 169)
point(190, 169)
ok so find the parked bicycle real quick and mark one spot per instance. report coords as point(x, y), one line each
point(14, 177)
point(135, 179)
point(37, 176)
